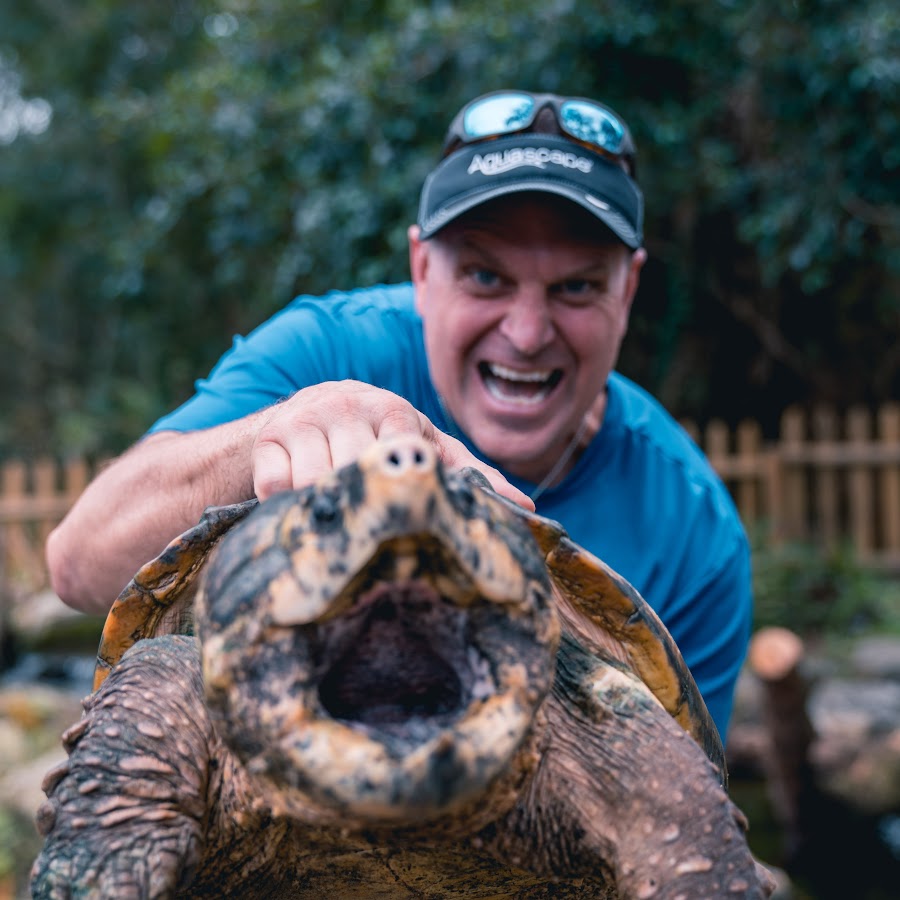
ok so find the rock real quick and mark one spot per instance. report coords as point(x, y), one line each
point(864, 774)
point(32, 718)
point(43, 621)
point(855, 751)
point(855, 707)
point(37, 706)
point(13, 744)
point(784, 888)
point(39, 611)
point(877, 657)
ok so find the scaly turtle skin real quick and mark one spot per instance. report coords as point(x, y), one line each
point(401, 686)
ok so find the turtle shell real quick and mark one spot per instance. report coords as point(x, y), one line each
point(604, 598)
point(600, 606)
point(159, 599)
point(596, 595)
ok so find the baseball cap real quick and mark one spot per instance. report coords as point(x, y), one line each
point(585, 160)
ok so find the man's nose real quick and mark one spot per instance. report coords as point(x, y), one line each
point(528, 324)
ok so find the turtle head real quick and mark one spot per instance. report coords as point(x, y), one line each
point(376, 647)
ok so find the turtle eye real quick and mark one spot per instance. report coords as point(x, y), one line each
point(325, 512)
point(461, 495)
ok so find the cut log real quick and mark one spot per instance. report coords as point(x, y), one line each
point(775, 657)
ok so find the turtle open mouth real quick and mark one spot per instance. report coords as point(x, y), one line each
point(404, 657)
point(394, 669)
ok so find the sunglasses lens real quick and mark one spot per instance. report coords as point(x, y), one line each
point(592, 124)
point(498, 115)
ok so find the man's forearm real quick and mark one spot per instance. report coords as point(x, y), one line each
point(140, 502)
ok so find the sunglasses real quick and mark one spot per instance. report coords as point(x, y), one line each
point(506, 112)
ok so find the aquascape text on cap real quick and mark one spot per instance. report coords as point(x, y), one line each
point(484, 171)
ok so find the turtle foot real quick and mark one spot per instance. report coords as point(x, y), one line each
point(123, 814)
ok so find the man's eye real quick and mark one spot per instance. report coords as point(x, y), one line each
point(484, 278)
point(576, 290)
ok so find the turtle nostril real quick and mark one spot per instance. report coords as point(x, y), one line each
point(413, 455)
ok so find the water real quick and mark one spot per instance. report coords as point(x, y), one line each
point(889, 832)
point(61, 670)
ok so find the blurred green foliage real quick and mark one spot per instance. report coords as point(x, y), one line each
point(171, 173)
point(817, 592)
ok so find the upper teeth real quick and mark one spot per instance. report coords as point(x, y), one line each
point(512, 375)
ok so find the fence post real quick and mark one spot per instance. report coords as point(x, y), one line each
point(17, 547)
point(862, 507)
point(75, 478)
point(716, 444)
point(793, 438)
point(749, 443)
point(44, 488)
point(825, 479)
point(889, 488)
point(773, 476)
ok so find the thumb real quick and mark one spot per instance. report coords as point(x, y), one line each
point(455, 455)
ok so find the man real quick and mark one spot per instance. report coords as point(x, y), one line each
point(524, 261)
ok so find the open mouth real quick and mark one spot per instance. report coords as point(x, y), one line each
point(402, 656)
point(513, 386)
point(404, 659)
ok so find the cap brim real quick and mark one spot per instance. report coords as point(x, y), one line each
point(482, 172)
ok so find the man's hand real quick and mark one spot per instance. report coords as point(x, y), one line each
point(161, 486)
point(329, 425)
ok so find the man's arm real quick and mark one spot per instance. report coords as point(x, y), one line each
point(161, 486)
point(142, 500)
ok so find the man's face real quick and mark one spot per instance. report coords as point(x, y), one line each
point(525, 302)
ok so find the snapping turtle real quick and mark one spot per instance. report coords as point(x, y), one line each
point(401, 685)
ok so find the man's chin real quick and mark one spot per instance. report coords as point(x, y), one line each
point(514, 452)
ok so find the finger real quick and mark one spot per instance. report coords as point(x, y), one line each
point(349, 440)
point(404, 419)
point(285, 460)
point(455, 455)
point(270, 464)
point(310, 453)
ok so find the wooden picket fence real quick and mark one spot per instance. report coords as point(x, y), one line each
point(828, 479)
point(34, 496)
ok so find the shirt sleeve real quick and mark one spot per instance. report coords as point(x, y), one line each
point(314, 339)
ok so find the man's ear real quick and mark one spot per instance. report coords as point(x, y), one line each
point(418, 264)
point(635, 264)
